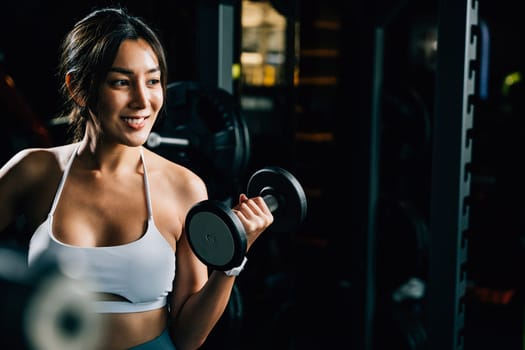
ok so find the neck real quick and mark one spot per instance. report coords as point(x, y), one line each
point(98, 155)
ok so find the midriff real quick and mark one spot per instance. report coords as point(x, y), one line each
point(124, 330)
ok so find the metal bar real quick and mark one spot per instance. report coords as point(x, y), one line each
point(450, 176)
point(225, 50)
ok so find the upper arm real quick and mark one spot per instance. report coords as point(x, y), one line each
point(191, 273)
point(23, 174)
point(15, 176)
point(190, 277)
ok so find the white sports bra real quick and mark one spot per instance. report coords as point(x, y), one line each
point(142, 271)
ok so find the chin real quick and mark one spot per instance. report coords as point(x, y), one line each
point(135, 142)
point(139, 138)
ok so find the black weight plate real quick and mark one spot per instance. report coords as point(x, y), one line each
point(290, 196)
point(210, 119)
point(216, 235)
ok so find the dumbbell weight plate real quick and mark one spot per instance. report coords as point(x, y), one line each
point(214, 234)
point(60, 316)
point(48, 306)
point(280, 183)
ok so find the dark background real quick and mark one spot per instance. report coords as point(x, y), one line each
point(299, 289)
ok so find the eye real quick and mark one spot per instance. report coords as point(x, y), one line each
point(154, 81)
point(119, 82)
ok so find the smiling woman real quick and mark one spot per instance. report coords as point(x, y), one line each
point(115, 208)
point(132, 92)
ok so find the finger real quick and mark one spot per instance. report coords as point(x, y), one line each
point(256, 210)
point(262, 205)
point(255, 207)
point(243, 198)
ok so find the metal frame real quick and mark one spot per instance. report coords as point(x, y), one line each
point(449, 221)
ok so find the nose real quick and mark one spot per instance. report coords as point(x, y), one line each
point(139, 96)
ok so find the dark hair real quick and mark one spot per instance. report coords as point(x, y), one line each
point(87, 53)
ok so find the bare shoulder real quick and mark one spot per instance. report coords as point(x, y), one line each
point(175, 177)
point(27, 181)
point(34, 163)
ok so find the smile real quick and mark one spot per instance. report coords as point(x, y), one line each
point(135, 122)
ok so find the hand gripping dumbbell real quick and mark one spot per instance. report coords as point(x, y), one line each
point(217, 235)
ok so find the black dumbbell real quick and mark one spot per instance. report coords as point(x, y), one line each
point(217, 235)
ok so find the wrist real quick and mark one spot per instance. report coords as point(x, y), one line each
point(236, 270)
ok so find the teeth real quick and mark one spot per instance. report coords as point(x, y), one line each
point(133, 120)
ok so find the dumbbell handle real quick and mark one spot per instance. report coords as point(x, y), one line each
point(270, 199)
point(154, 140)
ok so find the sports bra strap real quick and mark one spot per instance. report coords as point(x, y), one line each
point(63, 180)
point(146, 184)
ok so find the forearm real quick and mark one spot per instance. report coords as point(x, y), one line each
point(201, 312)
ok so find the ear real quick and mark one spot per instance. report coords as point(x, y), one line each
point(70, 88)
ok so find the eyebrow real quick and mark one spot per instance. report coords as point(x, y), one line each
point(128, 72)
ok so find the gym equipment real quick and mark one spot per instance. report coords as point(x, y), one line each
point(203, 129)
point(402, 245)
point(401, 326)
point(154, 140)
point(46, 308)
point(406, 126)
point(216, 234)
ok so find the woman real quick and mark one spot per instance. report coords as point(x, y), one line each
point(116, 206)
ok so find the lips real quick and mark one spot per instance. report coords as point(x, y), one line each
point(135, 122)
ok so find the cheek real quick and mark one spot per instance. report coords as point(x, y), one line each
point(109, 103)
point(157, 99)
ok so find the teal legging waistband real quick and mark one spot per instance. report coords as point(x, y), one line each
point(162, 342)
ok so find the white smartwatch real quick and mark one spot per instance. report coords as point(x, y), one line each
point(236, 270)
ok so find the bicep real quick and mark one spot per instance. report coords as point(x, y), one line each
point(12, 184)
point(191, 275)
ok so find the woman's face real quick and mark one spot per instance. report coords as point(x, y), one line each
point(131, 96)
